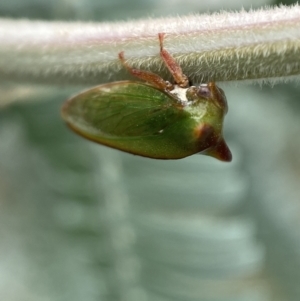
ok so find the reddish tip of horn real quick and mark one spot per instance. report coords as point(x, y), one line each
point(219, 151)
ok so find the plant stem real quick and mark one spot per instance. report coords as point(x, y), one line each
point(255, 45)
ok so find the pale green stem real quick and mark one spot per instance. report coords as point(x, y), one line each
point(255, 45)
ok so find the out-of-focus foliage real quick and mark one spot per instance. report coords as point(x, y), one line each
point(115, 9)
point(285, 2)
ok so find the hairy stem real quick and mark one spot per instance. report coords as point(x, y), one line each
point(255, 45)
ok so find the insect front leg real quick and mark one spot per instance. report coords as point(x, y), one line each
point(147, 76)
point(176, 71)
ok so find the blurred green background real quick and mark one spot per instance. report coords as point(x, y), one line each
point(79, 221)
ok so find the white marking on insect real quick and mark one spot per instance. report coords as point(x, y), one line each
point(180, 93)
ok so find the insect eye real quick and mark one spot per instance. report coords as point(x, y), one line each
point(204, 92)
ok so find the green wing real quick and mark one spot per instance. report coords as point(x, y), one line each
point(121, 110)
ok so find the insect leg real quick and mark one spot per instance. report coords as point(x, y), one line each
point(176, 71)
point(147, 76)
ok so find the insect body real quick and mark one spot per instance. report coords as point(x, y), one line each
point(155, 119)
